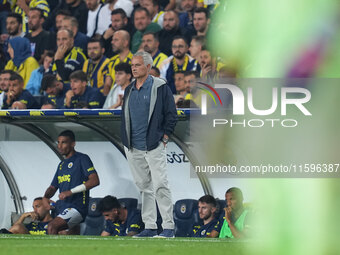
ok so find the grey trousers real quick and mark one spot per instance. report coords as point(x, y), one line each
point(149, 172)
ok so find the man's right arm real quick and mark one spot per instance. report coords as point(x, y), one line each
point(65, 69)
point(51, 190)
point(213, 234)
point(23, 216)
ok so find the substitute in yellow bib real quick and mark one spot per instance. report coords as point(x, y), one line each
point(236, 220)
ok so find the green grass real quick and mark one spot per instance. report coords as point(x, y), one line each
point(83, 245)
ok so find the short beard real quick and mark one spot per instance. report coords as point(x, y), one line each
point(34, 28)
point(180, 57)
point(148, 50)
point(14, 32)
point(97, 58)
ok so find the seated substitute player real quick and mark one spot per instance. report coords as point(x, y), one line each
point(119, 221)
point(40, 216)
point(17, 97)
point(206, 210)
point(55, 92)
point(74, 177)
point(236, 220)
point(82, 94)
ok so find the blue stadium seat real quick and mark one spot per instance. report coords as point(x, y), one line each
point(94, 222)
point(128, 202)
point(185, 216)
point(220, 209)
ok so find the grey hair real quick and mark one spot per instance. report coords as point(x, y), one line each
point(147, 59)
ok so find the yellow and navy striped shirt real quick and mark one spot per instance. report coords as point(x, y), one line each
point(115, 60)
point(96, 72)
point(41, 4)
point(158, 59)
point(73, 61)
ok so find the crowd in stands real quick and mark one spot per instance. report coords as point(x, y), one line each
point(77, 54)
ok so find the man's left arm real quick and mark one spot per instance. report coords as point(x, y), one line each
point(169, 111)
point(135, 225)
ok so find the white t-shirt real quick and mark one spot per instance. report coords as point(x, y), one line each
point(91, 21)
point(112, 97)
point(104, 20)
point(2, 97)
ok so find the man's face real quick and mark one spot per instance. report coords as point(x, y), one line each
point(179, 82)
point(112, 215)
point(170, 21)
point(149, 43)
point(179, 48)
point(141, 20)
point(205, 210)
point(34, 20)
point(188, 5)
point(15, 88)
point(78, 87)
point(47, 62)
point(117, 22)
point(12, 25)
point(92, 4)
point(195, 48)
point(118, 42)
point(39, 209)
point(200, 21)
point(66, 24)
point(232, 201)
point(58, 21)
point(55, 89)
point(122, 78)
point(189, 83)
point(94, 51)
point(4, 81)
point(205, 58)
point(138, 67)
point(63, 39)
point(65, 145)
point(149, 6)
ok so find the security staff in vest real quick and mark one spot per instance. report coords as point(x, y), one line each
point(148, 118)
